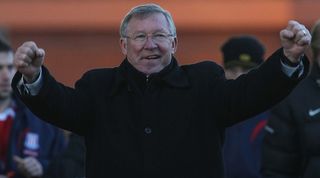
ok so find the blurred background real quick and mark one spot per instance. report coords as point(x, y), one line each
point(82, 34)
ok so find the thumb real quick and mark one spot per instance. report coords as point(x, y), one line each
point(40, 53)
point(286, 34)
point(39, 56)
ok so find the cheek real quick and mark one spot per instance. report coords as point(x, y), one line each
point(166, 49)
point(231, 75)
point(133, 55)
point(166, 59)
point(236, 74)
point(134, 50)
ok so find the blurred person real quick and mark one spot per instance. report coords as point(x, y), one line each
point(241, 54)
point(291, 147)
point(243, 141)
point(26, 143)
point(150, 117)
point(71, 163)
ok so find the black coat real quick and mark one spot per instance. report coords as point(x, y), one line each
point(292, 146)
point(167, 125)
point(70, 163)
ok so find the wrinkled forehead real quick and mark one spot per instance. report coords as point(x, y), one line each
point(147, 21)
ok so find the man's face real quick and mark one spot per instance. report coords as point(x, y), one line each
point(7, 72)
point(235, 72)
point(154, 53)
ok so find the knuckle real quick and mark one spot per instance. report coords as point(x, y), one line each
point(22, 56)
point(29, 43)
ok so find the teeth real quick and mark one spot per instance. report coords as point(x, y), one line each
point(152, 57)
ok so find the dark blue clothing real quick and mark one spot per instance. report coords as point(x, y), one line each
point(71, 163)
point(291, 147)
point(29, 136)
point(242, 148)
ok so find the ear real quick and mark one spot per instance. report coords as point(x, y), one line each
point(123, 46)
point(174, 45)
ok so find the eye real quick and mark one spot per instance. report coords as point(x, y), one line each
point(140, 37)
point(160, 36)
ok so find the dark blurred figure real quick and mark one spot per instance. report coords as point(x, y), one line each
point(71, 163)
point(292, 144)
point(27, 144)
point(241, 150)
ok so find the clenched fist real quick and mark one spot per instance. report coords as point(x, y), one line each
point(295, 39)
point(28, 60)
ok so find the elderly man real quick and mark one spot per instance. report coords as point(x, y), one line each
point(150, 117)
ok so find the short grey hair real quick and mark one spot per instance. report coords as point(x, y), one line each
point(146, 10)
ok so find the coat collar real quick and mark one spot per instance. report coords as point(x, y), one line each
point(171, 75)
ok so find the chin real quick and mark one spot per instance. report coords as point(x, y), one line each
point(5, 95)
point(155, 67)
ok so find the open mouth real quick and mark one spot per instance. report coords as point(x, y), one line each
point(152, 57)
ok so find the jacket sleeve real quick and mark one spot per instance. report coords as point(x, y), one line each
point(58, 104)
point(254, 92)
point(281, 155)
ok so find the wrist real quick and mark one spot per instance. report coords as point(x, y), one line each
point(289, 60)
point(31, 79)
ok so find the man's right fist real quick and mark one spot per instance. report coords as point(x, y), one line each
point(28, 60)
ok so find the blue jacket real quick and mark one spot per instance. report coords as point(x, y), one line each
point(29, 136)
point(242, 148)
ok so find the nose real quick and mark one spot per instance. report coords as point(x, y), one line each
point(150, 44)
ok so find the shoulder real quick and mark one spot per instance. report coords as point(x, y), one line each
point(96, 77)
point(99, 74)
point(296, 103)
point(207, 68)
point(299, 94)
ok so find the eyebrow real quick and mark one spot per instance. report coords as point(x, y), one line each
point(156, 31)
